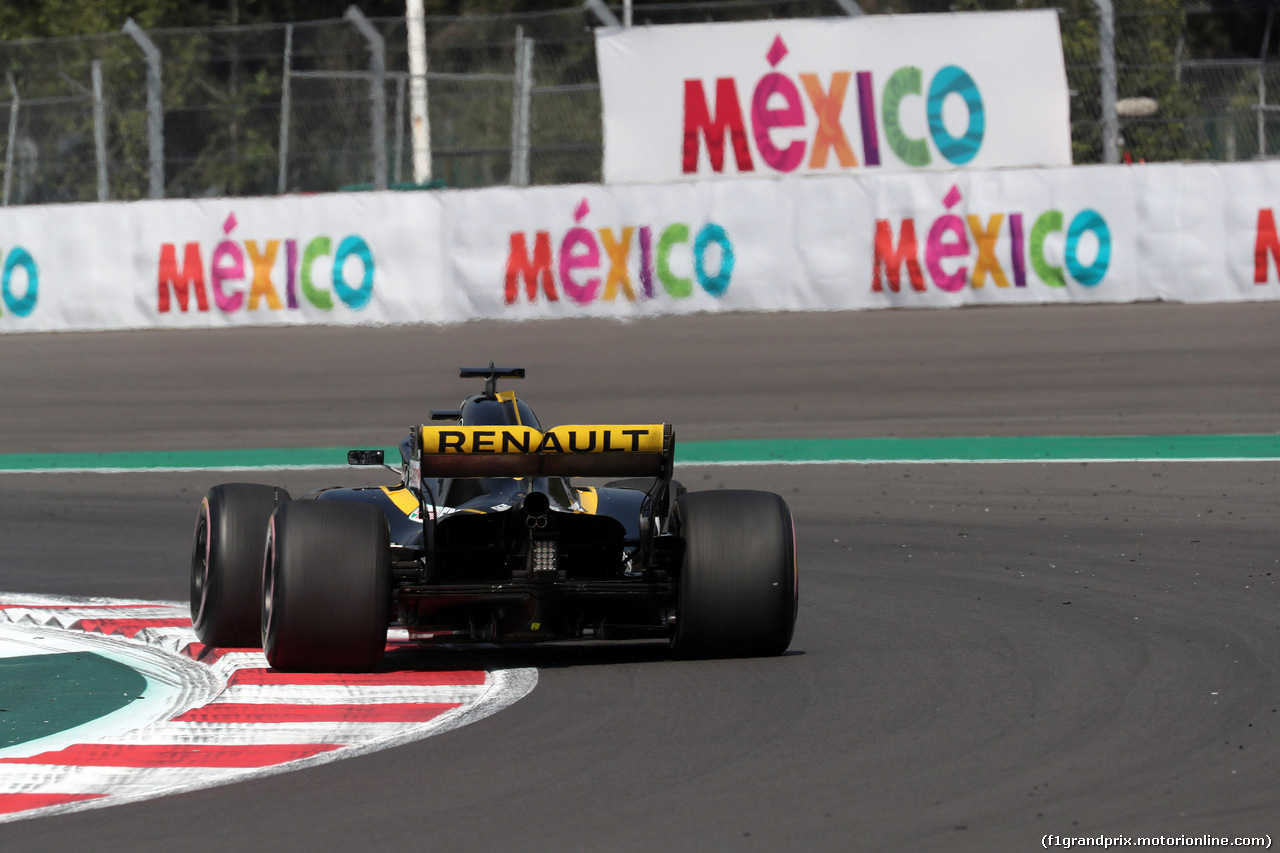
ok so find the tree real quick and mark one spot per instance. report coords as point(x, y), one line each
point(24, 19)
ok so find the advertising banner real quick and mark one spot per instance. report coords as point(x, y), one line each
point(927, 240)
point(328, 259)
point(870, 94)
point(1176, 232)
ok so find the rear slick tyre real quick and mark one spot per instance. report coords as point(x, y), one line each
point(226, 563)
point(326, 587)
point(738, 582)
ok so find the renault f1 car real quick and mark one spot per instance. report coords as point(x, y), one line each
point(491, 536)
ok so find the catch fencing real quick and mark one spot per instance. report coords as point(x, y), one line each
point(514, 99)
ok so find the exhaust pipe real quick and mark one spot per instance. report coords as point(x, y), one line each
point(535, 507)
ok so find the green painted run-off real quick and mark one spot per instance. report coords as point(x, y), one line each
point(985, 449)
point(41, 695)
point(743, 452)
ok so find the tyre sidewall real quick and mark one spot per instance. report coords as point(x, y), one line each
point(738, 586)
point(326, 587)
point(226, 572)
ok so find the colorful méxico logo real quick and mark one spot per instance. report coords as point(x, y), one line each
point(19, 275)
point(949, 236)
point(1266, 245)
point(776, 104)
point(583, 254)
point(227, 274)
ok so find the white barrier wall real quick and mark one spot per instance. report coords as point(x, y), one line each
point(1180, 232)
point(340, 258)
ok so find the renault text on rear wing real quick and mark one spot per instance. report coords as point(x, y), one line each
point(600, 450)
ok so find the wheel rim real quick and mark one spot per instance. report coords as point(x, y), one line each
point(269, 585)
point(200, 566)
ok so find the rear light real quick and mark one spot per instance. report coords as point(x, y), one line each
point(544, 558)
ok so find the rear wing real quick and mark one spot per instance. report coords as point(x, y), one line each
point(601, 450)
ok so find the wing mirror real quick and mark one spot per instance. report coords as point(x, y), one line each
point(366, 457)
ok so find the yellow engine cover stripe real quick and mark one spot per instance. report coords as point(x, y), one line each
point(403, 499)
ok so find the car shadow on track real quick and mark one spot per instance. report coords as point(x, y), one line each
point(487, 656)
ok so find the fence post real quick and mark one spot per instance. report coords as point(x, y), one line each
point(377, 94)
point(155, 109)
point(13, 132)
point(1107, 60)
point(99, 129)
point(418, 92)
point(520, 103)
point(602, 12)
point(396, 169)
point(285, 83)
point(1262, 86)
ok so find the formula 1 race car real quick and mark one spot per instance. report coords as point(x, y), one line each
point(487, 537)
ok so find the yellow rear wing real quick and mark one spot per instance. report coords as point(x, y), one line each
point(600, 450)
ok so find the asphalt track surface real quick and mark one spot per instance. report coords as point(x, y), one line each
point(985, 653)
